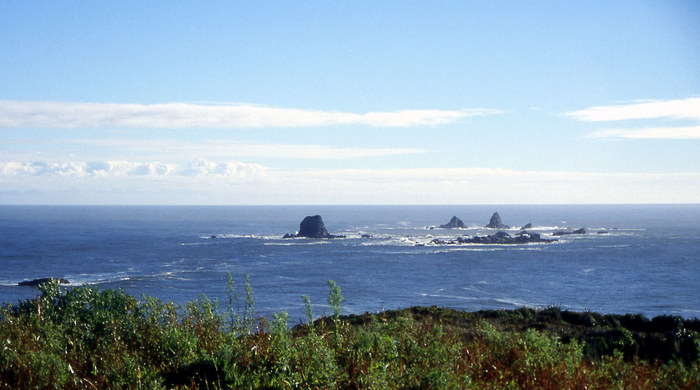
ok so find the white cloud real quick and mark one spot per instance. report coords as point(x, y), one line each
point(116, 169)
point(239, 149)
point(208, 182)
point(224, 169)
point(38, 114)
point(687, 132)
point(674, 109)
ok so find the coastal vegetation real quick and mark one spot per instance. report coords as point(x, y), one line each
point(83, 337)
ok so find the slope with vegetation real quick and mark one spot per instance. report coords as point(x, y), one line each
point(87, 338)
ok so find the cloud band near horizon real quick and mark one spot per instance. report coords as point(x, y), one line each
point(207, 182)
point(201, 168)
point(68, 115)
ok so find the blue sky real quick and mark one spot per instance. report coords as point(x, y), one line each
point(385, 102)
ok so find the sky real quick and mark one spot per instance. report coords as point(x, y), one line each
point(349, 102)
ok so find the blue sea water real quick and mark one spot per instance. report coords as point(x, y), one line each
point(634, 259)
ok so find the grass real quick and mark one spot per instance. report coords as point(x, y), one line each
point(87, 338)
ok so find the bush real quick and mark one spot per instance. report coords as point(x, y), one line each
point(86, 338)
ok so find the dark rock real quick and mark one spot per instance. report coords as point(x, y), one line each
point(503, 238)
point(565, 233)
point(454, 223)
point(40, 281)
point(495, 222)
point(502, 235)
point(312, 227)
point(528, 226)
point(366, 236)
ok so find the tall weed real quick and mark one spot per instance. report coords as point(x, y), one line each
point(82, 337)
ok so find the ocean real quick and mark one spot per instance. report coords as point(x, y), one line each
point(634, 258)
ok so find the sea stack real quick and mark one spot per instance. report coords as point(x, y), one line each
point(454, 223)
point(495, 222)
point(312, 227)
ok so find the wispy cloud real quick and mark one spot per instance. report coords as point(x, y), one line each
point(687, 132)
point(66, 115)
point(166, 148)
point(115, 169)
point(652, 109)
point(674, 110)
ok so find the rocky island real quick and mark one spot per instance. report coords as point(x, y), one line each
point(495, 222)
point(455, 223)
point(497, 238)
point(312, 227)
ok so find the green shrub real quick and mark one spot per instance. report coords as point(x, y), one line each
point(86, 338)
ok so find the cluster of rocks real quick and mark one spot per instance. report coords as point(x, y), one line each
point(497, 238)
point(523, 237)
point(494, 223)
point(313, 227)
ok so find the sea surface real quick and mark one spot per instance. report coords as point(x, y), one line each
point(634, 259)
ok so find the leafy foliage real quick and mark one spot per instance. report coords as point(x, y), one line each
point(86, 338)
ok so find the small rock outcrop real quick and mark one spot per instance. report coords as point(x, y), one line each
point(40, 281)
point(455, 223)
point(312, 227)
point(496, 223)
point(566, 232)
point(525, 227)
point(501, 238)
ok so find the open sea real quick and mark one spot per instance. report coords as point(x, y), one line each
point(634, 259)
